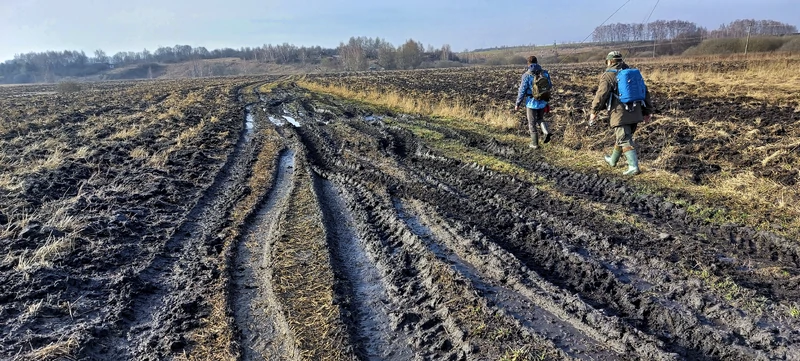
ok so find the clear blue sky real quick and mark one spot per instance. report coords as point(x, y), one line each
point(133, 25)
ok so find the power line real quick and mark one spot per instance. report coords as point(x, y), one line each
point(651, 13)
point(604, 22)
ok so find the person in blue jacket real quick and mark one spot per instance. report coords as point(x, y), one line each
point(535, 108)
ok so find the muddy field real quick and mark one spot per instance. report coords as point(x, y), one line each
point(707, 129)
point(223, 219)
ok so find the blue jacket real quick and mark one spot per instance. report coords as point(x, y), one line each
point(526, 88)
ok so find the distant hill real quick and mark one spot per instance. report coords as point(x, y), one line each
point(201, 68)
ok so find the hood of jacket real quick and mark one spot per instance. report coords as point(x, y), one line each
point(534, 68)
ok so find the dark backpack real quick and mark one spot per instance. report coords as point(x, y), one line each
point(631, 88)
point(541, 86)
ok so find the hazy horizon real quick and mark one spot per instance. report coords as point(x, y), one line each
point(87, 25)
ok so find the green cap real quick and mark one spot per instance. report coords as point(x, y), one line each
point(614, 55)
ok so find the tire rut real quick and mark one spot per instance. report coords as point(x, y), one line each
point(366, 295)
point(529, 311)
point(258, 316)
point(162, 293)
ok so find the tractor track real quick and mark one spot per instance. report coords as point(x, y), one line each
point(395, 237)
point(631, 293)
point(164, 297)
point(261, 324)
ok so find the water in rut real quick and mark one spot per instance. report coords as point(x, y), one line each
point(373, 329)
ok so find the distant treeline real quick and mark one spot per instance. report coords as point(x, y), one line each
point(663, 30)
point(359, 53)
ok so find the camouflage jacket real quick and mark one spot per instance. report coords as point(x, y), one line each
point(619, 116)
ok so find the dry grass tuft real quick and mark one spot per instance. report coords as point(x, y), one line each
point(139, 153)
point(61, 350)
point(215, 339)
point(45, 255)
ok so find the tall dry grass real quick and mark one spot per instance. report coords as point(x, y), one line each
point(775, 80)
point(404, 103)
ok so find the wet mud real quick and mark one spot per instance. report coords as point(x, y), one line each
point(372, 240)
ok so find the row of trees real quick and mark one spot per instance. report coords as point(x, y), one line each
point(359, 53)
point(740, 29)
point(658, 30)
point(663, 30)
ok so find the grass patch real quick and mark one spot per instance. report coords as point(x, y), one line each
point(45, 255)
point(406, 104)
point(61, 350)
point(303, 278)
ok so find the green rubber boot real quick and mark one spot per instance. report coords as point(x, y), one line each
point(534, 141)
point(633, 163)
point(614, 157)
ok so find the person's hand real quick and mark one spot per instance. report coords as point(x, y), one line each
point(516, 108)
point(592, 118)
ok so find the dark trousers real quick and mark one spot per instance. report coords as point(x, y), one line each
point(536, 122)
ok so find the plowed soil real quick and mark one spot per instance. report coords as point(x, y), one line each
point(300, 226)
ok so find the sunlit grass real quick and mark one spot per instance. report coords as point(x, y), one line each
point(740, 197)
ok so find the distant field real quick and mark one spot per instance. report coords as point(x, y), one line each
point(399, 215)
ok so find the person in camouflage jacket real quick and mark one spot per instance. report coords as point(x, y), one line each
point(623, 121)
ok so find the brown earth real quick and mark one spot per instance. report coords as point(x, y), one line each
point(240, 222)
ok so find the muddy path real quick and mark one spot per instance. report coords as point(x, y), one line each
point(572, 265)
point(257, 317)
point(309, 227)
point(167, 295)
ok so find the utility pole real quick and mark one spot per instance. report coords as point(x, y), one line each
point(747, 43)
point(654, 47)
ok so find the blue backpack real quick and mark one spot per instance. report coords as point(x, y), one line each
point(630, 86)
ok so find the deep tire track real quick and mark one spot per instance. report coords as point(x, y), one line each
point(594, 280)
point(165, 292)
point(259, 319)
point(526, 309)
point(362, 283)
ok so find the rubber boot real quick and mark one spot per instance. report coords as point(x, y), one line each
point(546, 132)
point(633, 163)
point(534, 141)
point(614, 157)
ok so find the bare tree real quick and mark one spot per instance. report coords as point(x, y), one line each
point(353, 55)
point(409, 55)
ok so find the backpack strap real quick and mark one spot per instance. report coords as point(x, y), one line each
point(615, 91)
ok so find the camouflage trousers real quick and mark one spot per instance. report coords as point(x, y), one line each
point(624, 137)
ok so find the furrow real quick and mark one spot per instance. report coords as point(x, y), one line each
point(161, 290)
point(263, 330)
point(362, 282)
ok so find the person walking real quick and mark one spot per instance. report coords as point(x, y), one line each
point(535, 86)
point(623, 93)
